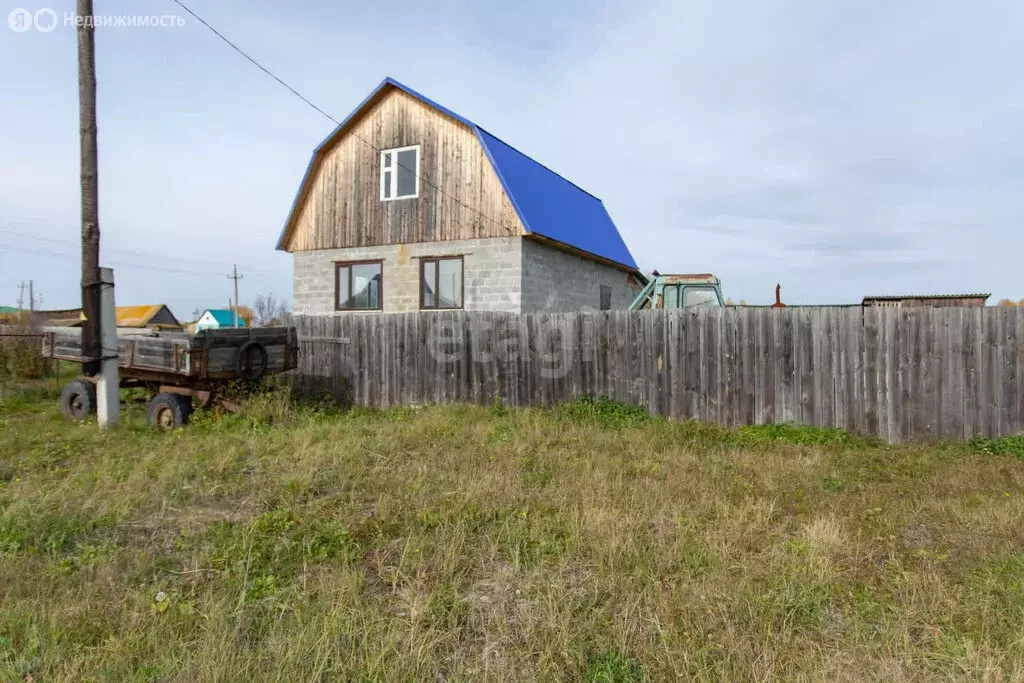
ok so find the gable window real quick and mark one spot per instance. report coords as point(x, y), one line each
point(359, 286)
point(441, 283)
point(400, 173)
point(606, 298)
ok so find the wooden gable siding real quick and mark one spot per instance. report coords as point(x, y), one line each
point(460, 196)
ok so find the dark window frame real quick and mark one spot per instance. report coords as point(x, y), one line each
point(437, 274)
point(346, 264)
point(602, 290)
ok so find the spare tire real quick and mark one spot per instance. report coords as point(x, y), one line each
point(78, 399)
point(245, 367)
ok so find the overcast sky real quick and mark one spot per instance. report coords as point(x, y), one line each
point(839, 147)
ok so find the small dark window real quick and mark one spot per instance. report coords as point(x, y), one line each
point(359, 286)
point(606, 298)
point(441, 284)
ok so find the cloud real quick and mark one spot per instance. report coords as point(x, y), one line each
point(840, 148)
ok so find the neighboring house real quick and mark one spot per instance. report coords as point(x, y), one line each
point(931, 300)
point(66, 317)
point(215, 318)
point(155, 315)
point(408, 205)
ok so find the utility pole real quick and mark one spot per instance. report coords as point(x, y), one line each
point(31, 300)
point(91, 339)
point(236, 277)
point(21, 298)
point(99, 333)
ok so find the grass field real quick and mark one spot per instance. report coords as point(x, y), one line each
point(587, 542)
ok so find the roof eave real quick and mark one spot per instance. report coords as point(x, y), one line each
point(583, 253)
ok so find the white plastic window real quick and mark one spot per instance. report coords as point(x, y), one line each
point(400, 173)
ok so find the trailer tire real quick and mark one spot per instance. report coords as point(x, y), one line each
point(167, 410)
point(78, 399)
point(245, 368)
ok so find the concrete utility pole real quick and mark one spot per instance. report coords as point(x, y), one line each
point(99, 333)
point(91, 344)
point(108, 398)
point(31, 300)
point(236, 277)
point(21, 298)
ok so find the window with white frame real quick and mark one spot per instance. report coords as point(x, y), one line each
point(400, 173)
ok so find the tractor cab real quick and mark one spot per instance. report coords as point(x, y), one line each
point(679, 291)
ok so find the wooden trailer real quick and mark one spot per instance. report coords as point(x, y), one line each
point(178, 368)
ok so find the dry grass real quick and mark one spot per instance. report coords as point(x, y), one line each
point(462, 543)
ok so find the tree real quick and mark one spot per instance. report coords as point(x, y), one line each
point(270, 311)
point(1011, 302)
point(245, 315)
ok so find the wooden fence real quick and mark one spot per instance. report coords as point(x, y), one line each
point(897, 374)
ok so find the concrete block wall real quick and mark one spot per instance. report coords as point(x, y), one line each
point(557, 281)
point(492, 270)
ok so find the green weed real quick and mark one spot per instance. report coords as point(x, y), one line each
point(603, 412)
point(613, 667)
point(1007, 445)
point(804, 435)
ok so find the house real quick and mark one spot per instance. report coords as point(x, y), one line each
point(65, 317)
point(214, 318)
point(409, 206)
point(929, 300)
point(153, 315)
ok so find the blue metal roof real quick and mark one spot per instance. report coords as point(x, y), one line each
point(551, 206)
point(547, 204)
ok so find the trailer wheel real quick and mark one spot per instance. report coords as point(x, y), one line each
point(251, 362)
point(78, 399)
point(169, 411)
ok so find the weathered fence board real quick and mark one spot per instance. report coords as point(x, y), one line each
point(896, 374)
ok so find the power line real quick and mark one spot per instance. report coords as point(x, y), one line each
point(334, 120)
point(118, 264)
point(254, 62)
point(136, 252)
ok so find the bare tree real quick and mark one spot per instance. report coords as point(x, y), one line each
point(270, 311)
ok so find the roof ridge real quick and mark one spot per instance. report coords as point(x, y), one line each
point(415, 93)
